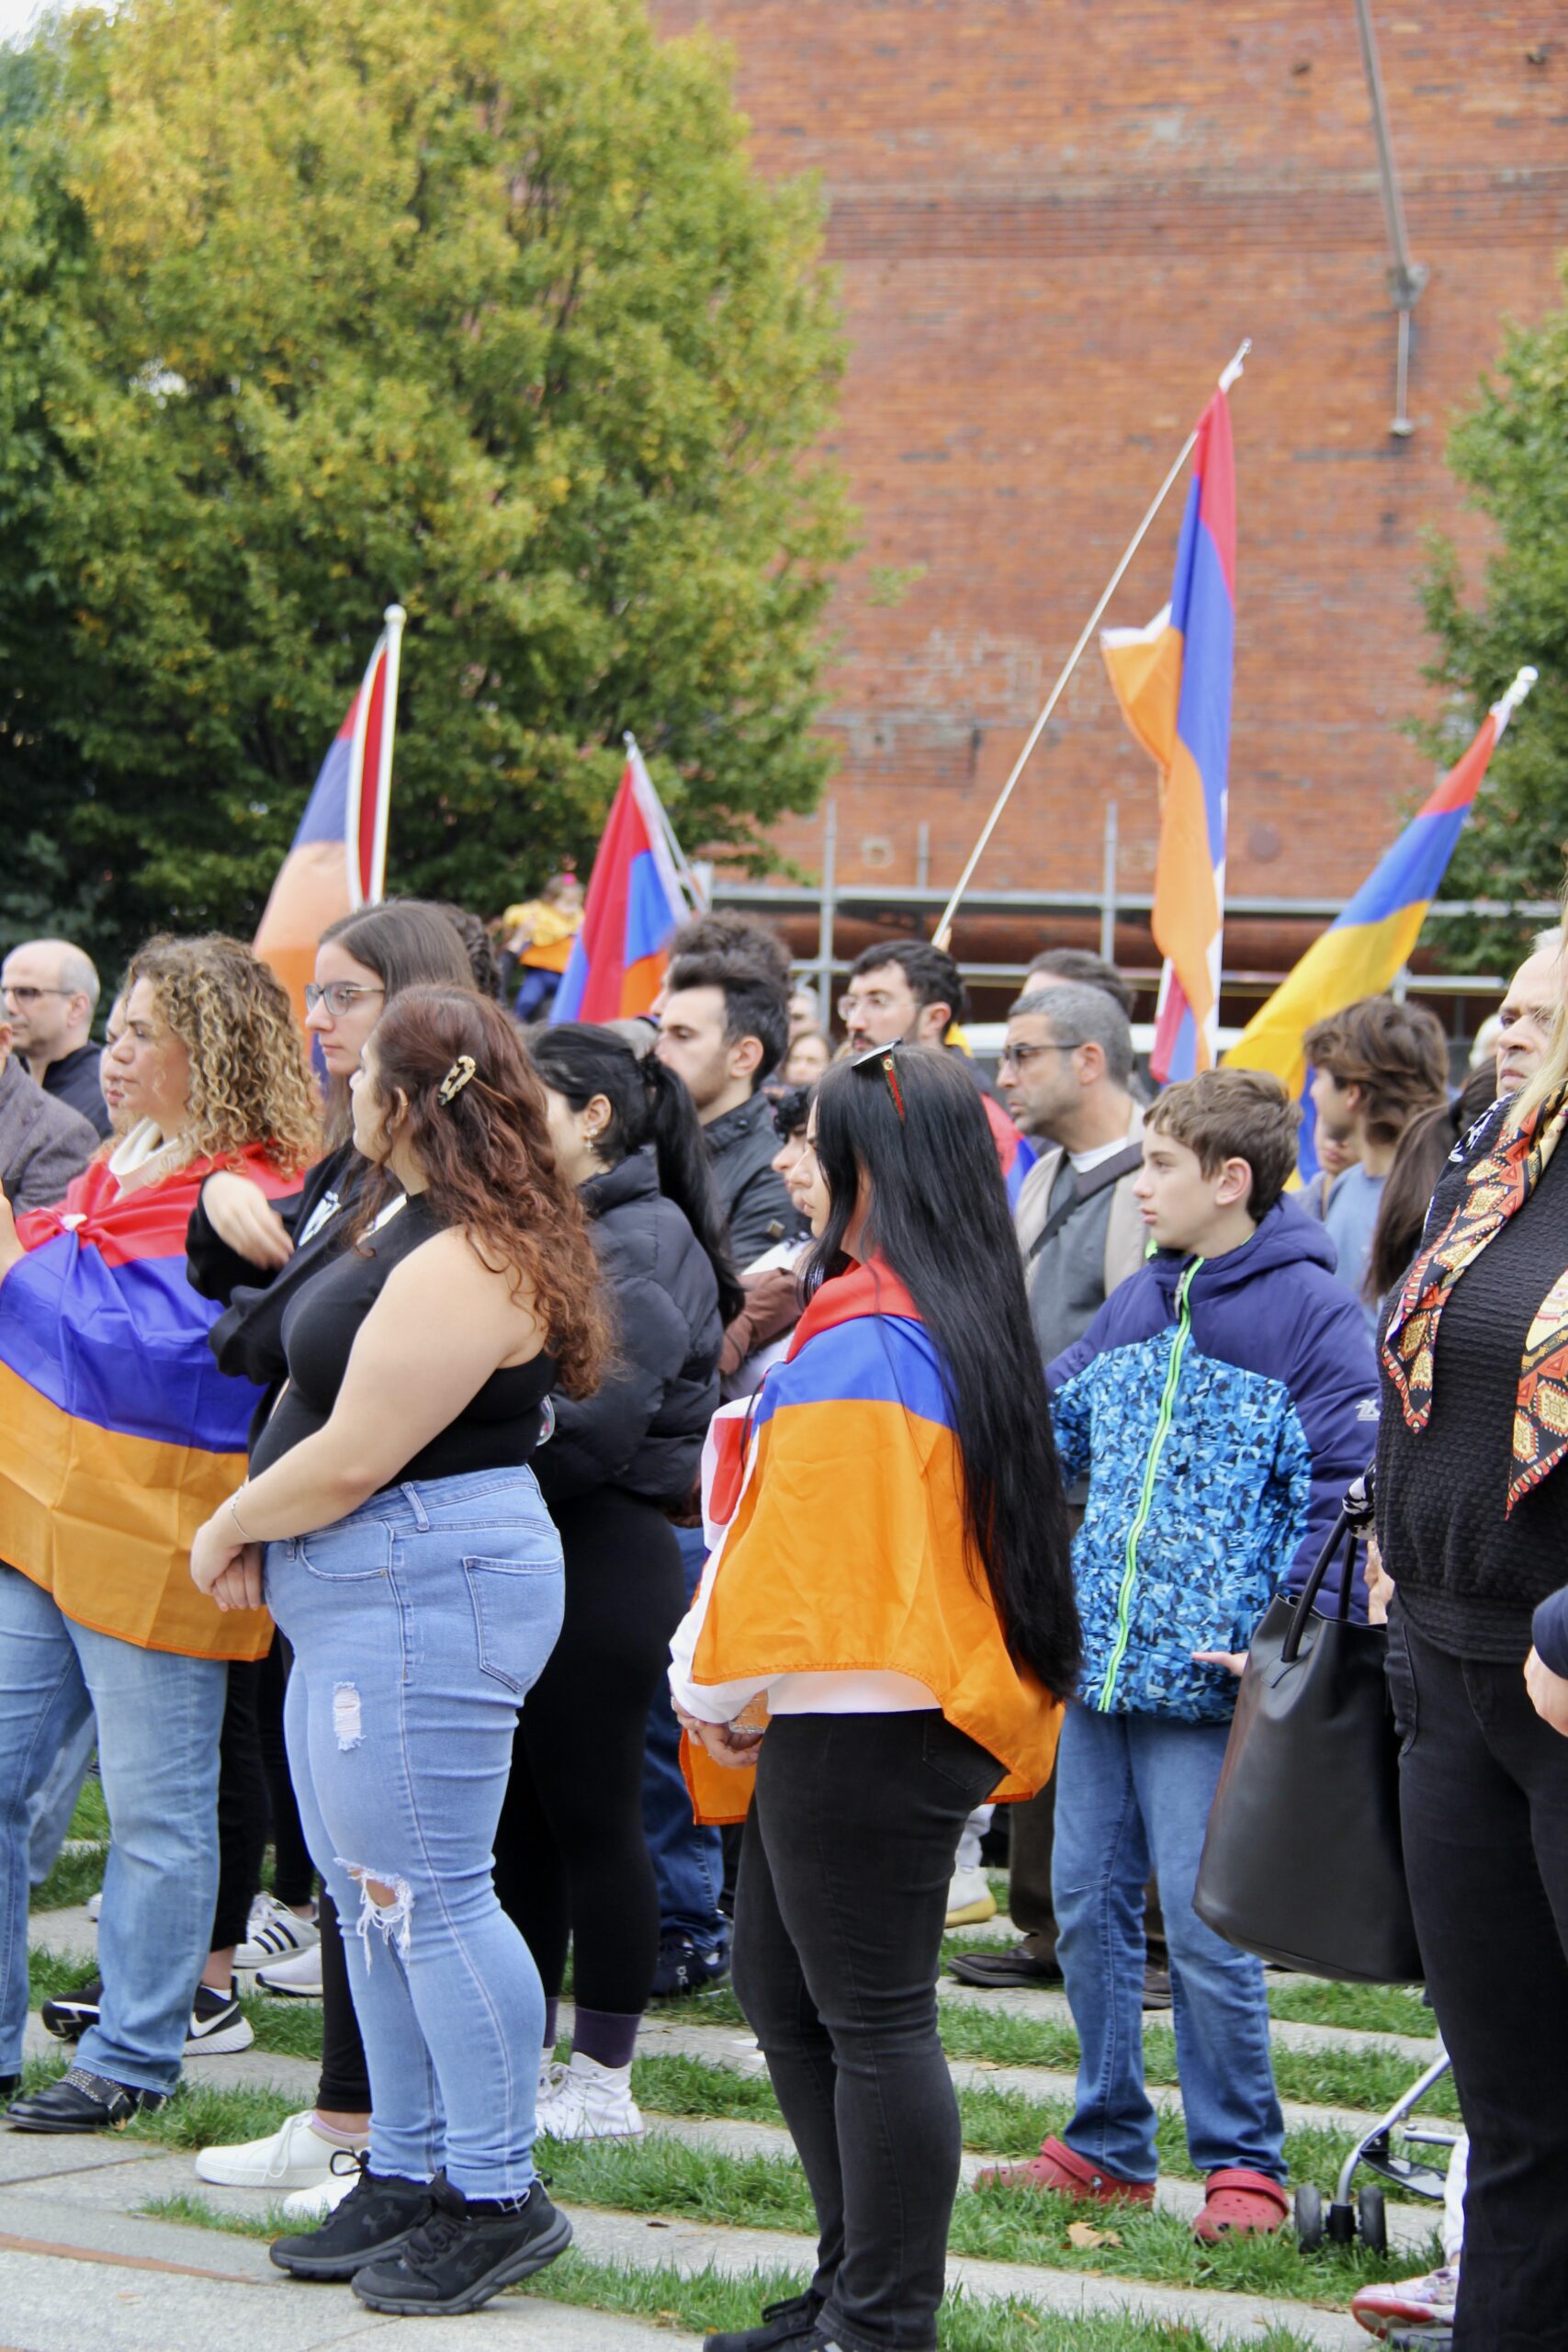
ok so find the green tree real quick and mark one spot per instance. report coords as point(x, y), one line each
point(1510, 455)
point(306, 306)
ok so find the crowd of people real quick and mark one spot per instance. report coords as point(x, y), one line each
point(647, 1492)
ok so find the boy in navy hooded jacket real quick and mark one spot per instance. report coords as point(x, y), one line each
point(1220, 1402)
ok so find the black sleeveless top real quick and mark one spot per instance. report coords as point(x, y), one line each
point(499, 1430)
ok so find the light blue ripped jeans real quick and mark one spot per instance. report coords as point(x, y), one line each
point(419, 1623)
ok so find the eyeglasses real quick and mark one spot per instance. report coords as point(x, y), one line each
point(1019, 1057)
point(873, 1000)
point(338, 996)
point(31, 995)
point(880, 1058)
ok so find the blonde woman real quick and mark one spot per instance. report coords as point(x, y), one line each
point(119, 1436)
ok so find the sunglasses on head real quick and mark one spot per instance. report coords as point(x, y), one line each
point(880, 1058)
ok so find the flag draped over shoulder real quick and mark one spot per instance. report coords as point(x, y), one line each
point(119, 1434)
point(1372, 937)
point(850, 1456)
point(1173, 682)
point(338, 862)
point(637, 895)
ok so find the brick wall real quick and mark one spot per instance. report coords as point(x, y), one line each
point(1054, 221)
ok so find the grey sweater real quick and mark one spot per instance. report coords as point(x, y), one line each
point(43, 1142)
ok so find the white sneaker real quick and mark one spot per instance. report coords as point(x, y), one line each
point(594, 2102)
point(274, 1932)
point(300, 1976)
point(315, 2204)
point(552, 2075)
point(294, 2156)
point(969, 1899)
point(94, 1905)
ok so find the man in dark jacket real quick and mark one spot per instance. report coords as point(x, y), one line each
point(43, 1143)
point(51, 992)
point(724, 1027)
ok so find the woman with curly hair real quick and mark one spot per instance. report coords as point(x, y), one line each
point(117, 1436)
point(410, 1560)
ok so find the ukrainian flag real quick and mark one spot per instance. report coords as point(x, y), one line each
point(1373, 938)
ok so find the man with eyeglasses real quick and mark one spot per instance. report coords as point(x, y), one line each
point(49, 992)
point(1064, 1072)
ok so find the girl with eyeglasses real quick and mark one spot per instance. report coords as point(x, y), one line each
point(891, 1594)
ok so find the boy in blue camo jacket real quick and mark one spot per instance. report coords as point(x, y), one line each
point(1220, 1403)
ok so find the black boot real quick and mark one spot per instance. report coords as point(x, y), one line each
point(373, 2220)
point(80, 2102)
point(465, 2254)
point(788, 2323)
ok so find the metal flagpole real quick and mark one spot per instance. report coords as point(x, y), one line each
point(943, 936)
point(395, 617)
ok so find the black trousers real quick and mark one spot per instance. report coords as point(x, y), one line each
point(1484, 1807)
point(844, 1870)
point(570, 1859)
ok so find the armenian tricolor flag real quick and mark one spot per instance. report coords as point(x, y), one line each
point(338, 862)
point(119, 1434)
point(1014, 1150)
point(848, 1452)
point(640, 889)
point(1373, 936)
point(1173, 682)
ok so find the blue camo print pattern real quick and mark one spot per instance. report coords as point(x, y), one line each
point(1228, 1513)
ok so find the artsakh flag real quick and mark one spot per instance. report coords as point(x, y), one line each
point(119, 1434)
point(638, 891)
point(1372, 937)
point(1173, 682)
point(338, 862)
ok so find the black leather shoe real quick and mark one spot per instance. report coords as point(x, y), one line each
point(464, 2254)
point(80, 2102)
point(374, 2220)
point(787, 2323)
point(1016, 1965)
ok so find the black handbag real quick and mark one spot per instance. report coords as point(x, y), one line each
point(1302, 1862)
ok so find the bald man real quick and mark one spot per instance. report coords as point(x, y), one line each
point(1527, 1012)
point(49, 992)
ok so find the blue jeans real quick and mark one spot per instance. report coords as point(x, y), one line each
point(158, 1718)
point(55, 1803)
point(688, 1860)
point(1134, 1794)
point(419, 1623)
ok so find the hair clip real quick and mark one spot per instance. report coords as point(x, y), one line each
point(457, 1078)
point(880, 1057)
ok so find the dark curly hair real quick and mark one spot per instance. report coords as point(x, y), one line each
point(489, 1163)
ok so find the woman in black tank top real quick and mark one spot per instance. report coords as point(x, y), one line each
point(409, 1558)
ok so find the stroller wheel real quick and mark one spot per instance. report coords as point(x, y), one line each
point(1309, 2218)
point(1372, 2219)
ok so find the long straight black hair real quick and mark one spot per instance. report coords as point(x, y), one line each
point(649, 1104)
point(917, 1150)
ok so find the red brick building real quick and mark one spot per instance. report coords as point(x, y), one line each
point(1054, 221)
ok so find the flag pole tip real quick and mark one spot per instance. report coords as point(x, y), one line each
point(1230, 374)
point(394, 616)
point(1523, 682)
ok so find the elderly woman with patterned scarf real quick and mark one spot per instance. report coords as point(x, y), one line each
point(1472, 1524)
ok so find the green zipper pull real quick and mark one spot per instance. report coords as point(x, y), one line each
point(1146, 1495)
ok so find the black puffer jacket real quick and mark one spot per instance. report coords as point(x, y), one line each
point(644, 1429)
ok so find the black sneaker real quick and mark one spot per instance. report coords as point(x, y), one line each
point(462, 2257)
point(787, 2323)
point(80, 2102)
point(374, 2220)
point(70, 2014)
point(686, 1966)
point(218, 2024)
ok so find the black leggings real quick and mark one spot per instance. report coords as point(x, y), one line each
point(570, 1859)
point(845, 1863)
point(255, 1795)
point(1483, 1808)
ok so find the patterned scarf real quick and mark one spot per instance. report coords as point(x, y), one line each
point(1497, 1185)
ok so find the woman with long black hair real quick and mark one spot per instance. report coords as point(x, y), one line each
point(572, 1858)
point(893, 1581)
